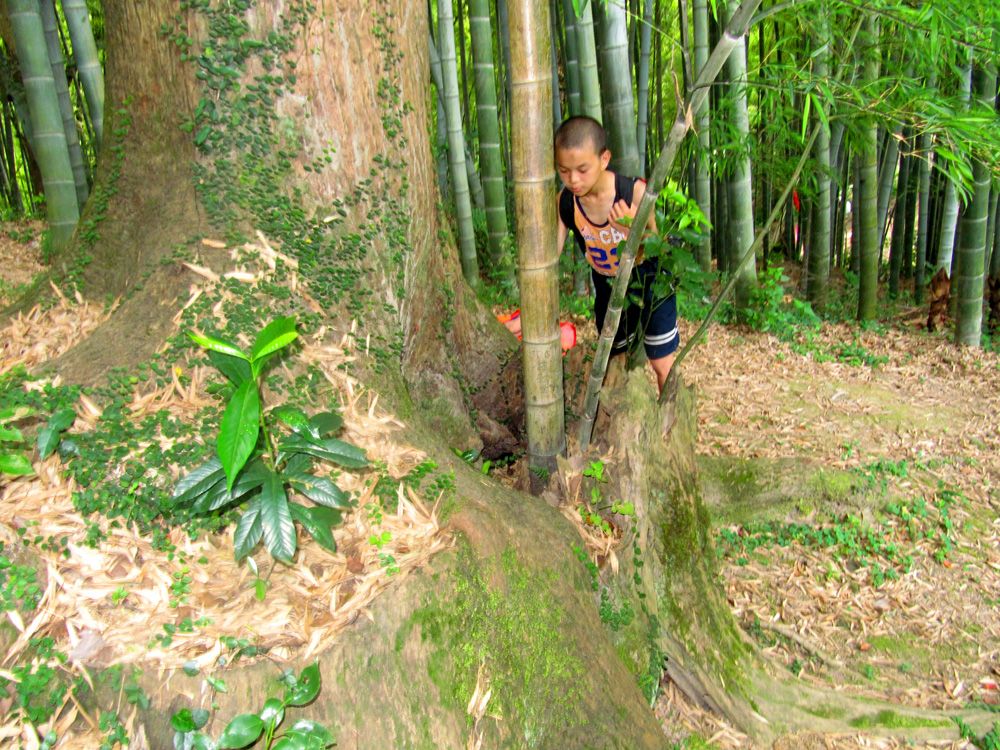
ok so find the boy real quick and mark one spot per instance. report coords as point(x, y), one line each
point(591, 205)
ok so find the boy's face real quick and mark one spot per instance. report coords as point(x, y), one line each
point(580, 168)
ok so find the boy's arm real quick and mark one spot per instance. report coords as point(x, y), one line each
point(622, 210)
point(563, 231)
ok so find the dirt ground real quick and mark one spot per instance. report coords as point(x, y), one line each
point(922, 424)
point(910, 414)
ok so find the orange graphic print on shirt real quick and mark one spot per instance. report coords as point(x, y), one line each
point(601, 241)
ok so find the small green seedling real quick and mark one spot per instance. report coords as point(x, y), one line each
point(247, 730)
point(16, 463)
point(257, 465)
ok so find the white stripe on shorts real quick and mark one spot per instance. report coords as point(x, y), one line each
point(661, 339)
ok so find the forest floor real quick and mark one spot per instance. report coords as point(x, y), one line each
point(883, 581)
point(887, 586)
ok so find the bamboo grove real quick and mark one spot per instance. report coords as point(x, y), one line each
point(52, 86)
point(901, 179)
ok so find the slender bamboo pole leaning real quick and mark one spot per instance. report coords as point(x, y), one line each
point(490, 156)
point(88, 64)
point(586, 49)
point(50, 26)
point(538, 257)
point(972, 237)
point(731, 37)
point(456, 145)
point(896, 247)
point(49, 136)
point(670, 386)
point(818, 274)
point(703, 162)
point(867, 190)
point(642, 82)
point(616, 89)
point(557, 113)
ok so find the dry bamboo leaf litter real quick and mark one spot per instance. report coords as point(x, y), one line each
point(306, 606)
point(36, 336)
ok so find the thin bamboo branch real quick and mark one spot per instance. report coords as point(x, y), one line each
point(733, 33)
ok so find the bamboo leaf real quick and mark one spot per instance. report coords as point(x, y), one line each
point(239, 429)
point(276, 519)
point(276, 335)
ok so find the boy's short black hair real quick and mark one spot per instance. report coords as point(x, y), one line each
point(580, 130)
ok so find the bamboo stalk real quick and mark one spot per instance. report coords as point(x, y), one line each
point(88, 63)
point(671, 384)
point(731, 37)
point(538, 257)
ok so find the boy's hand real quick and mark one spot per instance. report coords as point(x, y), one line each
point(622, 213)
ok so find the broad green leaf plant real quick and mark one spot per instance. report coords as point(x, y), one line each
point(12, 460)
point(261, 456)
point(246, 730)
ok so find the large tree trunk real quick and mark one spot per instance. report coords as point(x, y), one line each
point(513, 594)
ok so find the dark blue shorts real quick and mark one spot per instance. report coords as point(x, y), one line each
point(654, 319)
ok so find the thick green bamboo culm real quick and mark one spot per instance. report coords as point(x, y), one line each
point(739, 185)
point(456, 145)
point(88, 64)
point(586, 50)
point(50, 26)
point(48, 134)
point(538, 256)
point(923, 205)
point(969, 277)
point(731, 37)
point(703, 164)
point(616, 89)
point(571, 59)
point(490, 156)
point(867, 190)
point(670, 385)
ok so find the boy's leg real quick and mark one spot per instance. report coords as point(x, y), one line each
point(662, 337)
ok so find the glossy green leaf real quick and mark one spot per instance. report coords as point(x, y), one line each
point(241, 731)
point(217, 345)
point(183, 721)
point(328, 449)
point(15, 464)
point(290, 741)
point(325, 423)
point(293, 417)
point(306, 687)
point(48, 436)
point(318, 525)
point(319, 735)
point(10, 435)
point(276, 518)
point(276, 335)
point(14, 413)
point(320, 490)
point(273, 712)
point(239, 430)
point(248, 531)
point(237, 369)
point(198, 481)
